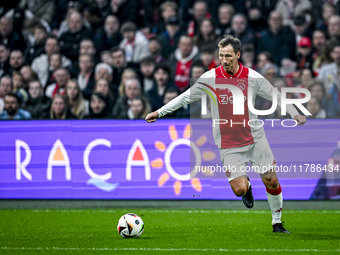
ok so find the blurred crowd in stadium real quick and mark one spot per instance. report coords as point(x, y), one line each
point(121, 59)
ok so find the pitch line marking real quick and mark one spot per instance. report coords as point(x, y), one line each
point(165, 249)
point(171, 211)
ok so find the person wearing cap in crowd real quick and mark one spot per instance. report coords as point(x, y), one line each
point(13, 111)
point(304, 53)
point(301, 27)
point(170, 37)
point(134, 43)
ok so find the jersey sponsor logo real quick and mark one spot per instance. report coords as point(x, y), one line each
point(225, 99)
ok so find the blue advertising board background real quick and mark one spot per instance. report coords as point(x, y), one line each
point(124, 159)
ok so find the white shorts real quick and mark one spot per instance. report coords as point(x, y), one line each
point(236, 159)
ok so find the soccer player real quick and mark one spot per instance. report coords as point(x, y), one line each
point(238, 144)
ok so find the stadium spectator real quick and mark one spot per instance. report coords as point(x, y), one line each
point(258, 13)
point(334, 27)
point(93, 16)
point(318, 40)
point(225, 15)
point(248, 56)
point(18, 84)
point(328, 10)
point(6, 86)
point(132, 89)
point(329, 72)
point(16, 61)
point(37, 48)
point(106, 57)
point(126, 10)
point(4, 57)
point(301, 28)
point(108, 36)
point(290, 8)
point(278, 40)
point(170, 37)
point(147, 67)
point(104, 7)
point(62, 75)
point(28, 75)
point(200, 11)
point(55, 62)
point(181, 60)
point(37, 104)
point(86, 45)
point(128, 74)
point(162, 82)
point(270, 71)
point(70, 40)
point(304, 53)
point(170, 94)
point(104, 71)
point(263, 58)
point(207, 55)
point(153, 17)
point(314, 107)
point(78, 106)
point(240, 29)
point(139, 108)
point(40, 65)
point(84, 73)
point(325, 56)
point(327, 103)
point(12, 39)
point(120, 64)
point(134, 43)
point(12, 110)
point(73, 6)
point(59, 108)
point(98, 107)
point(155, 48)
point(103, 86)
point(206, 36)
point(41, 9)
point(197, 69)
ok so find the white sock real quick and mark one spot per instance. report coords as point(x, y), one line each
point(275, 202)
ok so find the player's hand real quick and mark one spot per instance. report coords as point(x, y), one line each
point(152, 117)
point(300, 120)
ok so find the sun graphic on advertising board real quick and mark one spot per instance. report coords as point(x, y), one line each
point(159, 163)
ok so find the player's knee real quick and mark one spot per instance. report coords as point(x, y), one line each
point(240, 191)
point(272, 183)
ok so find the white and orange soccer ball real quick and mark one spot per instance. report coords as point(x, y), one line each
point(130, 225)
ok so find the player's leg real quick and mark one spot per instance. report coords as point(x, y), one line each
point(236, 160)
point(275, 201)
point(261, 156)
point(239, 185)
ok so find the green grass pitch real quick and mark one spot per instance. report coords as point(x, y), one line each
point(93, 231)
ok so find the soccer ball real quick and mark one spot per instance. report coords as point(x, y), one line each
point(130, 225)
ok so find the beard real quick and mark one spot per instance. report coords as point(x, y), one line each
point(11, 111)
